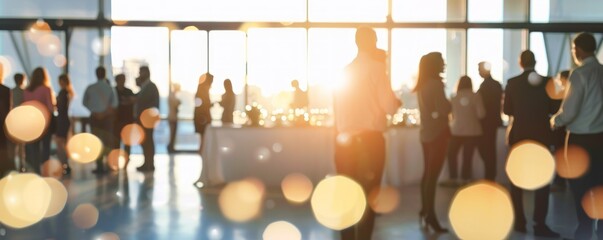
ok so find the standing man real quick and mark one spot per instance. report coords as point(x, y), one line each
point(147, 97)
point(101, 101)
point(529, 106)
point(174, 104)
point(491, 92)
point(6, 163)
point(17, 149)
point(125, 112)
point(360, 118)
point(582, 114)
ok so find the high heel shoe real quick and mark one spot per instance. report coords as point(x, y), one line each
point(422, 221)
point(432, 222)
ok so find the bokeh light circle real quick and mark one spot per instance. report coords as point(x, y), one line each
point(281, 230)
point(534, 79)
point(530, 165)
point(555, 89)
point(39, 29)
point(297, 188)
point(25, 200)
point(52, 168)
point(58, 198)
point(108, 236)
point(149, 118)
point(572, 162)
point(59, 60)
point(592, 203)
point(384, 199)
point(132, 134)
point(101, 46)
point(338, 202)
point(84, 147)
point(117, 159)
point(49, 45)
point(241, 201)
point(26, 123)
point(85, 216)
point(482, 210)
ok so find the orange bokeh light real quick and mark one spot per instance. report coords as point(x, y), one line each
point(297, 188)
point(572, 162)
point(85, 216)
point(149, 118)
point(530, 165)
point(132, 134)
point(241, 201)
point(592, 202)
point(384, 199)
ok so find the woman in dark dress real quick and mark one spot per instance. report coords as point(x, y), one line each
point(202, 116)
point(62, 120)
point(434, 133)
point(228, 102)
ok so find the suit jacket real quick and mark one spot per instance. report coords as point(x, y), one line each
point(5, 100)
point(434, 109)
point(148, 97)
point(491, 92)
point(530, 107)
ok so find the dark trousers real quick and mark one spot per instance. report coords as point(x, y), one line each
point(173, 130)
point(468, 144)
point(37, 152)
point(487, 150)
point(362, 158)
point(7, 163)
point(117, 127)
point(103, 129)
point(541, 205)
point(593, 144)
point(434, 154)
point(148, 150)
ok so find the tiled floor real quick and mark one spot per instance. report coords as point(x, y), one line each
point(166, 205)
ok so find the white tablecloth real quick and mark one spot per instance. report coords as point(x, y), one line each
point(270, 154)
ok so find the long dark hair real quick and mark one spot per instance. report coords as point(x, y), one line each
point(464, 83)
point(39, 77)
point(429, 69)
point(68, 87)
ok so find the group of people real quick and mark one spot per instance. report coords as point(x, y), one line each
point(470, 120)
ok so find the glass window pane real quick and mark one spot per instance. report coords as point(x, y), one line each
point(189, 62)
point(275, 58)
point(227, 61)
point(420, 11)
point(485, 10)
point(538, 47)
point(486, 45)
point(544, 11)
point(49, 9)
point(347, 10)
point(210, 10)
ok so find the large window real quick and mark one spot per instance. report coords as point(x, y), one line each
point(347, 10)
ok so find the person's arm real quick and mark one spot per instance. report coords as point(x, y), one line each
point(479, 106)
point(86, 99)
point(507, 104)
point(570, 107)
point(442, 105)
point(385, 95)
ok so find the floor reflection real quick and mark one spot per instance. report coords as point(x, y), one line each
point(166, 205)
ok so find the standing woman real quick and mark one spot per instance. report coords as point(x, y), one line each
point(228, 102)
point(39, 90)
point(63, 123)
point(202, 116)
point(435, 132)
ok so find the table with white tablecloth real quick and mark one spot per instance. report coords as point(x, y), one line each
point(232, 153)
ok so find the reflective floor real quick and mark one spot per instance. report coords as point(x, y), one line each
point(166, 205)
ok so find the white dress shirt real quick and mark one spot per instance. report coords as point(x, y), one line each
point(99, 96)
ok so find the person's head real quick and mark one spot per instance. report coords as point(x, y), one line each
point(144, 73)
point(484, 69)
point(366, 39)
point(206, 79)
point(19, 79)
point(583, 46)
point(227, 85)
point(464, 83)
point(39, 77)
point(430, 67)
point(64, 81)
point(120, 80)
point(101, 73)
point(564, 75)
point(295, 84)
point(527, 60)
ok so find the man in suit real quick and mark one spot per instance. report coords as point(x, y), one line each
point(491, 92)
point(529, 106)
point(101, 101)
point(147, 97)
point(6, 164)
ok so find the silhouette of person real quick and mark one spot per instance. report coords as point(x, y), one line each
point(146, 98)
point(582, 114)
point(6, 163)
point(63, 123)
point(39, 90)
point(491, 92)
point(559, 132)
point(101, 101)
point(174, 104)
point(360, 119)
point(300, 98)
point(467, 111)
point(434, 133)
point(125, 112)
point(228, 102)
point(202, 116)
point(528, 105)
point(17, 149)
